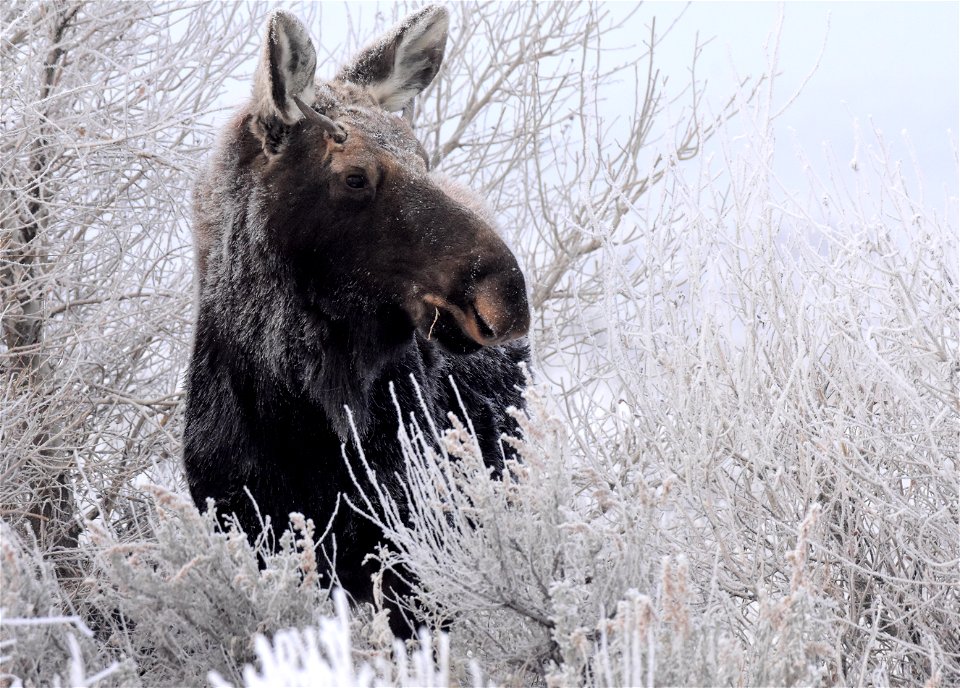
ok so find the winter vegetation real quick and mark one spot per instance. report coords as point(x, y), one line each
point(737, 464)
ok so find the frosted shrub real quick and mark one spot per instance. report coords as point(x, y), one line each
point(754, 356)
point(102, 107)
point(323, 656)
point(168, 608)
point(191, 600)
point(539, 574)
point(756, 389)
point(789, 357)
point(41, 641)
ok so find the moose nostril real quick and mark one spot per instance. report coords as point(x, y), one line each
point(501, 312)
point(484, 327)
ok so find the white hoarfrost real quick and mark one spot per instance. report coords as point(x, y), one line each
point(323, 656)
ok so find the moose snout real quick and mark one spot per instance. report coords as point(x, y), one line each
point(500, 308)
point(493, 311)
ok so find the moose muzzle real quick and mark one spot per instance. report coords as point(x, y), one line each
point(494, 311)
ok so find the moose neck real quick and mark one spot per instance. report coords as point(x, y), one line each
point(295, 336)
point(355, 352)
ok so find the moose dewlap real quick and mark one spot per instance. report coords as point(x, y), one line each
point(330, 264)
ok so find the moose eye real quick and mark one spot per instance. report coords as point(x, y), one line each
point(356, 181)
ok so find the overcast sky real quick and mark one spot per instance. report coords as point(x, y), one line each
point(896, 63)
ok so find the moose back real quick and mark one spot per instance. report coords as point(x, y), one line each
point(330, 263)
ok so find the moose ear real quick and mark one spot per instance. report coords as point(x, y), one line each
point(402, 62)
point(288, 63)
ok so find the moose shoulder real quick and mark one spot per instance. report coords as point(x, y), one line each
point(331, 263)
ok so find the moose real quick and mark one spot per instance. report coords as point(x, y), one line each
point(336, 271)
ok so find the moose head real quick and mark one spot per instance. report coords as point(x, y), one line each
point(354, 209)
